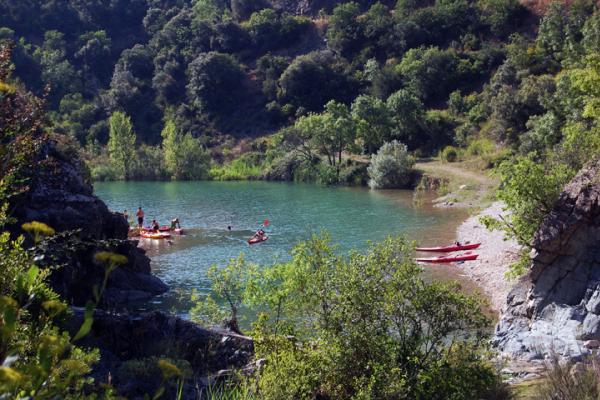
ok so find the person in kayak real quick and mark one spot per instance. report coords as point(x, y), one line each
point(140, 216)
point(260, 234)
point(175, 224)
point(155, 226)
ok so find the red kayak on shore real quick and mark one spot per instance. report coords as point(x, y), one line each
point(468, 256)
point(256, 240)
point(450, 248)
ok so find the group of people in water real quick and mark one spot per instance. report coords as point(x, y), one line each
point(154, 225)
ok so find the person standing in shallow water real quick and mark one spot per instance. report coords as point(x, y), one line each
point(140, 217)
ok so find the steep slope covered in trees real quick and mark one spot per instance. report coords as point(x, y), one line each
point(247, 68)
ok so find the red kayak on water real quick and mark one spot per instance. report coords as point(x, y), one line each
point(255, 240)
point(450, 248)
point(155, 235)
point(468, 256)
point(166, 228)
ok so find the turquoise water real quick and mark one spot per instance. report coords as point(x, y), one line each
point(295, 211)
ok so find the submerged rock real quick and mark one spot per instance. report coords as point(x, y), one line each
point(555, 308)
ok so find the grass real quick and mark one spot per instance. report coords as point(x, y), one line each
point(237, 170)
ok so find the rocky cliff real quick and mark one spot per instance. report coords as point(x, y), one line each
point(60, 194)
point(556, 306)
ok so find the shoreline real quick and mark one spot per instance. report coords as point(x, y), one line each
point(495, 256)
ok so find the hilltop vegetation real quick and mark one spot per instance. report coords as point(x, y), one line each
point(222, 71)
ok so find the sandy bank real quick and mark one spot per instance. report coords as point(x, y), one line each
point(495, 256)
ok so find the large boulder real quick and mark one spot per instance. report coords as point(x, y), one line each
point(556, 306)
point(61, 195)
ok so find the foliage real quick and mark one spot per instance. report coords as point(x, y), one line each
point(38, 358)
point(391, 167)
point(564, 379)
point(449, 154)
point(363, 326)
point(184, 156)
point(121, 143)
point(242, 168)
point(529, 190)
point(228, 284)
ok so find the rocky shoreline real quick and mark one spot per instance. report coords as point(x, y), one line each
point(496, 254)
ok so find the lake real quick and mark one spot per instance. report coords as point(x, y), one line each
point(352, 216)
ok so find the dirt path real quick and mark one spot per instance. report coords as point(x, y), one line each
point(465, 187)
point(445, 169)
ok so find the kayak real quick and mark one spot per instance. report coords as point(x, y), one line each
point(448, 249)
point(164, 229)
point(154, 235)
point(256, 240)
point(468, 256)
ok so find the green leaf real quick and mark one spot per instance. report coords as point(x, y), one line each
point(88, 320)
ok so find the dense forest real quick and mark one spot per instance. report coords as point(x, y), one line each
point(194, 79)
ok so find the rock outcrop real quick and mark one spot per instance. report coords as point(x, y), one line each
point(556, 306)
point(61, 195)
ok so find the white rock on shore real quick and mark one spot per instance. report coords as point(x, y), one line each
point(495, 256)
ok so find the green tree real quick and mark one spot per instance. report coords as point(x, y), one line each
point(529, 189)
point(121, 143)
point(374, 122)
point(331, 132)
point(215, 82)
point(171, 146)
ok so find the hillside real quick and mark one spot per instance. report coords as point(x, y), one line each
point(239, 69)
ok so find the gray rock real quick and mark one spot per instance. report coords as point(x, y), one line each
point(555, 308)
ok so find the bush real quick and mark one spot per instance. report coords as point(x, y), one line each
point(242, 168)
point(352, 327)
point(104, 172)
point(391, 167)
point(481, 147)
point(449, 154)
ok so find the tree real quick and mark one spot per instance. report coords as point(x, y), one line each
point(344, 33)
point(170, 146)
point(121, 143)
point(407, 112)
point(313, 79)
point(373, 121)
point(331, 132)
point(185, 158)
point(215, 83)
point(529, 189)
point(391, 167)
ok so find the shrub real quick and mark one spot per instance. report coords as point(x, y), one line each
point(104, 173)
point(567, 380)
point(481, 147)
point(243, 168)
point(449, 154)
point(391, 167)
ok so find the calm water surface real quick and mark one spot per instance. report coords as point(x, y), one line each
point(351, 215)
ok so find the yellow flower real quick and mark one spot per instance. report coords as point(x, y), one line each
point(169, 370)
point(38, 228)
point(107, 257)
